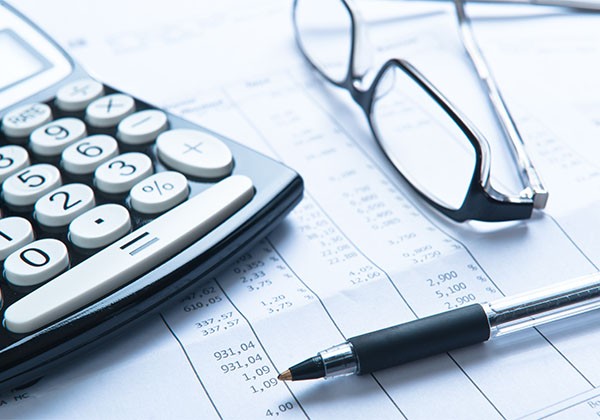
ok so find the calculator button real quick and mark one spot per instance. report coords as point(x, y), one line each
point(37, 262)
point(100, 226)
point(12, 159)
point(52, 138)
point(119, 174)
point(76, 96)
point(130, 257)
point(15, 232)
point(142, 127)
point(27, 186)
point(20, 122)
point(61, 206)
point(159, 192)
point(109, 110)
point(195, 153)
point(87, 154)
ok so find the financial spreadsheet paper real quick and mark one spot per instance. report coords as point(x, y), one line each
point(361, 251)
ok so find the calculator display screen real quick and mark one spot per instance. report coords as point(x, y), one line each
point(19, 60)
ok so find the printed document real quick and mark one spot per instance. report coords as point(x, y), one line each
point(361, 251)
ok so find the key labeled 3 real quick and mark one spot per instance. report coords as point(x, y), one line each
point(119, 174)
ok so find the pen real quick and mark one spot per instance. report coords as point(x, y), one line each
point(450, 330)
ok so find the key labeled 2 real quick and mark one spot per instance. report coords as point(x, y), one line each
point(60, 206)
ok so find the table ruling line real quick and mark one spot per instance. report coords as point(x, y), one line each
point(249, 324)
point(476, 386)
point(189, 361)
point(572, 241)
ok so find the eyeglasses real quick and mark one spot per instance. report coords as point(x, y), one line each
point(431, 145)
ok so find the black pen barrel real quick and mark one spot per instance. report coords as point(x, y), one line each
point(421, 338)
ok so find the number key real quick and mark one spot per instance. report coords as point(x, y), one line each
point(27, 186)
point(51, 139)
point(61, 206)
point(119, 174)
point(12, 159)
point(37, 262)
point(15, 232)
point(84, 156)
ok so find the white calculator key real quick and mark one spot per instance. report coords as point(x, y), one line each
point(142, 127)
point(76, 96)
point(159, 192)
point(15, 232)
point(52, 138)
point(12, 159)
point(21, 121)
point(87, 154)
point(109, 110)
point(28, 185)
point(36, 262)
point(61, 206)
point(119, 174)
point(195, 153)
point(100, 226)
point(130, 257)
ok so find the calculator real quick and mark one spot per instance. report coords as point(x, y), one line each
point(110, 207)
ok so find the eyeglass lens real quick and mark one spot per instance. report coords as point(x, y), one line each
point(421, 139)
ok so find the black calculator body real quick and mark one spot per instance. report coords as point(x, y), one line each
point(110, 206)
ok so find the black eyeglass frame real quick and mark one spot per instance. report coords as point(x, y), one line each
point(481, 201)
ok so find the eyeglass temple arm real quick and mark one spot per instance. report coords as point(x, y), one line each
point(584, 6)
point(529, 176)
